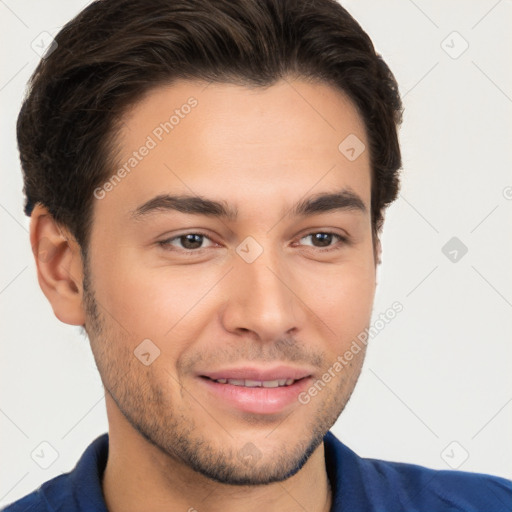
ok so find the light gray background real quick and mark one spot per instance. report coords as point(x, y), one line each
point(437, 384)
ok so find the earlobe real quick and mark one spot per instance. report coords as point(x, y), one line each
point(59, 266)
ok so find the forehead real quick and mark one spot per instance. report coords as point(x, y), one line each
point(233, 142)
point(293, 109)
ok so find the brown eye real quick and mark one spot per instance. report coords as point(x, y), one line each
point(185, 242)
point(323, 239)
point(191, 241)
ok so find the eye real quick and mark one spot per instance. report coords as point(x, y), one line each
point(186, 242)
point(194, 242)
point(324, 239)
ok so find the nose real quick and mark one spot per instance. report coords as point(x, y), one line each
point(262, 299)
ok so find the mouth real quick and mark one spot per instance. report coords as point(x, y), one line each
point(256, 391)
point(258, 377)
point(249, 383)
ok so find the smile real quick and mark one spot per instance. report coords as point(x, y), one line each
point(256, 383)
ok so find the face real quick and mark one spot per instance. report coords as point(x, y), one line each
point(197, 308)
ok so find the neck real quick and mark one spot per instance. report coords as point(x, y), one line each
point(139, 476)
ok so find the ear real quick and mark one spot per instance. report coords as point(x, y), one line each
point(59, 266)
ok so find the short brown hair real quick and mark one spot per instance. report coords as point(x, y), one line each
point(115, 51)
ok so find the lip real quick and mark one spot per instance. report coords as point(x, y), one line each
point(257, 400)
point(252, 373)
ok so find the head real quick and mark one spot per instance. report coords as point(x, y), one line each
point(207, 181)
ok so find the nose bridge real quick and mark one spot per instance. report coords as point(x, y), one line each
point(261, 299)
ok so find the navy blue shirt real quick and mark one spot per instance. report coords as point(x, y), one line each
point(358, 484)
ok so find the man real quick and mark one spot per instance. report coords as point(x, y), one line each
point(217, 237)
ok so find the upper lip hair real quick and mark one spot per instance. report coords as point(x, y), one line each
point(259, 374)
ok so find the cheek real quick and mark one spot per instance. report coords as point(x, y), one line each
point(168, 302)
point(342, 299)
point(154, 302)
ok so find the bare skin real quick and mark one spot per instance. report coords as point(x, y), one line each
point(175, 444)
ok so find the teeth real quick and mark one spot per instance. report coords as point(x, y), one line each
point(257, 383)
point(250, 383)
point(236, 382)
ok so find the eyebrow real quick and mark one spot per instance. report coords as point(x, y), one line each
point(344, 200)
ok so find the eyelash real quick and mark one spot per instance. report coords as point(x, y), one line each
point(165, 244)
